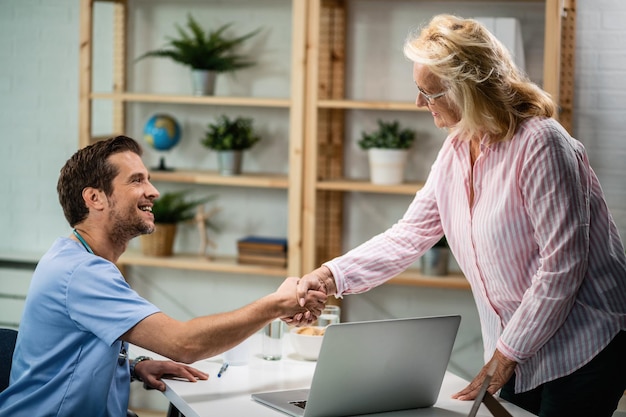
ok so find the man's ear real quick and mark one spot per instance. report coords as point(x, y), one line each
point(94, 198)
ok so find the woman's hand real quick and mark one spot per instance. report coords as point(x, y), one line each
point(504, 369)
point(307, 308)
point(320, 280)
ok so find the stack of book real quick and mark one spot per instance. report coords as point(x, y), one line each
point(262, 251)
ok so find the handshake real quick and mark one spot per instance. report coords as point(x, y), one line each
point(312, 291)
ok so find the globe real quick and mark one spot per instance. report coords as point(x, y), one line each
point(162, 132)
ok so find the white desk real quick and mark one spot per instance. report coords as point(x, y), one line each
point(230, 394)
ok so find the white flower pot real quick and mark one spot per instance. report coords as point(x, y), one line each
point(387, 165)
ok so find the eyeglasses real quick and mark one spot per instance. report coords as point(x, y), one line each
point(430, 98)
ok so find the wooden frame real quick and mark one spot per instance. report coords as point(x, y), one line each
point(322, 223)
point(292, 183)
point(317, 106)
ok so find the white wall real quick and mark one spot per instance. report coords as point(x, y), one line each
point(39, 120)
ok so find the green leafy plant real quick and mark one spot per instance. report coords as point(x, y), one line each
point(203, 50)
point(230, 134)
point(174, 207)
point(388, 136)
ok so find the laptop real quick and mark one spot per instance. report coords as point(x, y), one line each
point(373, 366)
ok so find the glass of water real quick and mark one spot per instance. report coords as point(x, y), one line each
point(272, 340)
point(330, 315)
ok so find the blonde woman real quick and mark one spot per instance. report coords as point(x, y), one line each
point(527, 221)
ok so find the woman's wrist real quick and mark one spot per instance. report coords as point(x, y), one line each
point(326, 279)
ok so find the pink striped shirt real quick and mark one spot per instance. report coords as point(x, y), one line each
point(539, 247)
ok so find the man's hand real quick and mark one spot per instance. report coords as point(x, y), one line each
point(319, 281)
point(151, 372)
point(504, 369)
point(308, 308)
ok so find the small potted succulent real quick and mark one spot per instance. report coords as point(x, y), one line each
point(230, 137)
point(207, 53)
point(169, 210)
point(387, 149)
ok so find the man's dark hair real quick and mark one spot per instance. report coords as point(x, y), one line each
point(90, 167)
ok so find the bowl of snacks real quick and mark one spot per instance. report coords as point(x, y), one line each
point(307, 341)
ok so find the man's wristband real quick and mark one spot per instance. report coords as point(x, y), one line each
point(133, 363)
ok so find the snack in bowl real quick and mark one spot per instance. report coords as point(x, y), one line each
point(307, 341)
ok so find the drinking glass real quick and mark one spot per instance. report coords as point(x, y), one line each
point(330, 315)
point(272, 334)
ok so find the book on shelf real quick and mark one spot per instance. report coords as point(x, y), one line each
point(260, 243)
point(264, 253)
point(262, 260)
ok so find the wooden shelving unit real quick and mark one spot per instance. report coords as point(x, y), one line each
point(206, 100)
point(121, 98)
point(413, 278)
point(327, 106)
point(367, 187)
point(317, 106)
point(367, 105)
point(213, 178)
point(200, 263)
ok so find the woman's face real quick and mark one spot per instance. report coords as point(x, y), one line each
point(445, 115)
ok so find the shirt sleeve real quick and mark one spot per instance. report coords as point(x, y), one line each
point(555, 184)
point(100, 301)
point(391, 252)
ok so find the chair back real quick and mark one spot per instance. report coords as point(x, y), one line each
point(7, 346)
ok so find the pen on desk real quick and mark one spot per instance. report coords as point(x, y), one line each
point(222, 369)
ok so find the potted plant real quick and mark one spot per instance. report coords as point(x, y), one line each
point(230, 137)
point(206, 53)
point(169, 210)
point(387, 149)
point(434, 262)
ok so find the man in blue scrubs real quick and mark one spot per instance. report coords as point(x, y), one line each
point(80, 313)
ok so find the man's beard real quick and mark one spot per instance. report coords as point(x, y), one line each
point(126, 228)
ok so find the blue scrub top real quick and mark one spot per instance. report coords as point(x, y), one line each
point(67, 358)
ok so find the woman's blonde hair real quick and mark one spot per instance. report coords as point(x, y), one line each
point(492, 94)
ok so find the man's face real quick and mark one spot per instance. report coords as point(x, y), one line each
point(130, 204)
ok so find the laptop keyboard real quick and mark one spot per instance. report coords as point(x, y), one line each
point(300, 404)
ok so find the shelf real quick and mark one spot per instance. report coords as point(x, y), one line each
point(284, 101)
point(367, 187)
point(330, 59)
point(230, 265)
point(213, 178)
point(318, 113)
point(413, 277)
point(20, 256)
point(199, 263)
point(369, 105)
point(203, 100)
point(19, 260)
